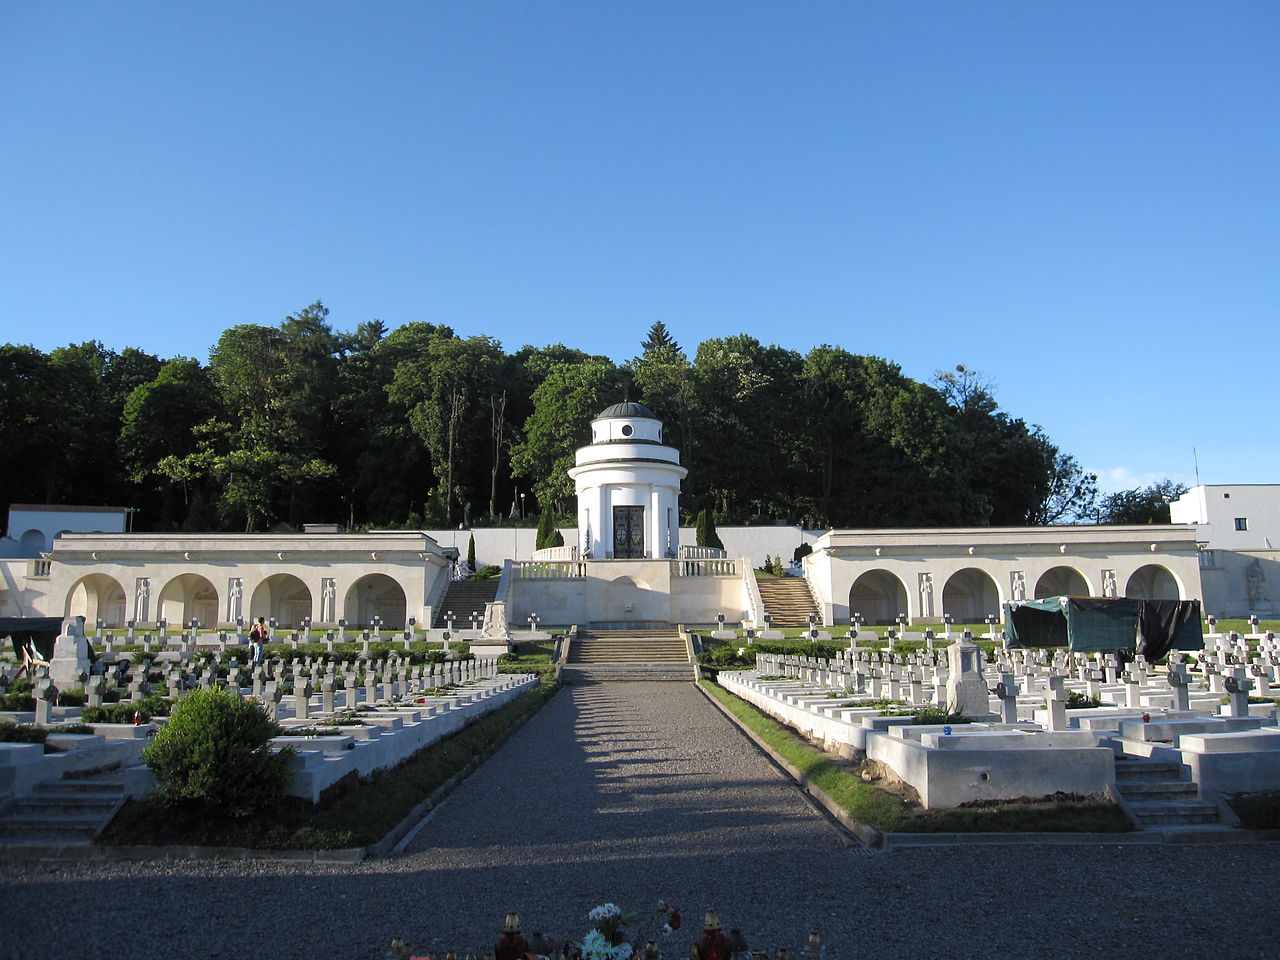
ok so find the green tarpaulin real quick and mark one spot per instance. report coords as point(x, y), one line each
point(1093, 624)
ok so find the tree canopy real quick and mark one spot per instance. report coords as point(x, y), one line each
point(301, 422)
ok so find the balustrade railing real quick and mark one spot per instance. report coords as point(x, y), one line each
point(707, 568)
point(552, 554)
point(548, 570)
point(702, 553)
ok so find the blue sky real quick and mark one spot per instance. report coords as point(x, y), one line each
point(1077, 198)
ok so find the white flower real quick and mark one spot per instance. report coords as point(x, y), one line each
point(594, 944)
point(605, 911)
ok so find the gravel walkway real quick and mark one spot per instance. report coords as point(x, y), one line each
point(629, 793)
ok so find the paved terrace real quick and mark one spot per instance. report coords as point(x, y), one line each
point(632, 792)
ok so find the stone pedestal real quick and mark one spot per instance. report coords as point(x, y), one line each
point(966, 688)
point(70, 655)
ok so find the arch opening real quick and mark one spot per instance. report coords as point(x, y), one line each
point(377, 595)
point(188, 597)
point(97, 597)
point(1061, 582)
point(284, 597)
point(1152, 582)
point(879, 596)
point(970, 595)
point(33, 543)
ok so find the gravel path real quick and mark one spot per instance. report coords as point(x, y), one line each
point(629, 793)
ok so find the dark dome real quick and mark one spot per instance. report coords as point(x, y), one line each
point(627, 409)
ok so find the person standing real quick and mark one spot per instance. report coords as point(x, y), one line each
point(258, 640)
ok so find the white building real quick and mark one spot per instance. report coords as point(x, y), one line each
point(1237, 526)
point(628, 487)
point(32, 527)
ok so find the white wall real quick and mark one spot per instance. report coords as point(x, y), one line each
point(1214, 508)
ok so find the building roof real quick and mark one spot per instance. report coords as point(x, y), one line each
point(627, 409)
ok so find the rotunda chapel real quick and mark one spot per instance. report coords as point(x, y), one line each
point(628, 487)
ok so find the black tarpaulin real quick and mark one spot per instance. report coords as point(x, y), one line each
point(1165, 625)
point(41, 631)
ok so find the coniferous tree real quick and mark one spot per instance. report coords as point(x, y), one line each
point(548, 535)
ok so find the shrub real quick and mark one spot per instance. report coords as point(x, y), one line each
point(149, 706)
point(1078, 701)
point(487, 572)
point(21, 733)
point(215, 751)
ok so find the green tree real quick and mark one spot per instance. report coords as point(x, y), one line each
point(27, 394)
point(276, 386)
point(1072, 493)
point(659, 341)
point(705, 534)
point(471, 553)
point(159, 424)
point(1149, 504)
point(564, 404)
point(745, 393)
point(384, 467)
point(664, 381)
point(548, 535)
point(446, 391)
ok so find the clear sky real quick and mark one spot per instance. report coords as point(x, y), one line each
point(1078, 198)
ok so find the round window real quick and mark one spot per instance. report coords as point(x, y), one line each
point(627, 430)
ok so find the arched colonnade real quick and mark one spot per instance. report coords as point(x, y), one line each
point(284, 597)
point(970, 594)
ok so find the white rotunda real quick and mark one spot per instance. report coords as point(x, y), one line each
point(628, 487)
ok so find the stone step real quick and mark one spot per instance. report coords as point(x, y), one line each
point(1138, 769)
point(1154, 812)
point(44, 835)
point(1138, 789)
point(97, 786)
point(465, 597)
point(640, 673)
point(72, 804)
point(32, 822)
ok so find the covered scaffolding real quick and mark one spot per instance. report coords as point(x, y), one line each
point(1150, 628)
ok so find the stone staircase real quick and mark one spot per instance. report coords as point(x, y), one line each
point(465, 597)
point(1160, 797)
point(602, 656)
point(788, 601)
point(62, 811)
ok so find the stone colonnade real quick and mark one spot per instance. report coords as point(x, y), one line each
point(222, 580)
point(968, 574)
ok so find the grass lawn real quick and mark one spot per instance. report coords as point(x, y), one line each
point(891, 813)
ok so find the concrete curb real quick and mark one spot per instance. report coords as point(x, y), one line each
point(886, 842)
point(101, 852)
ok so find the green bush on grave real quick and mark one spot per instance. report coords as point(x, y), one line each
point(149, 706)
point(1078, 701)
point(21, 733)
point(215, 751)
